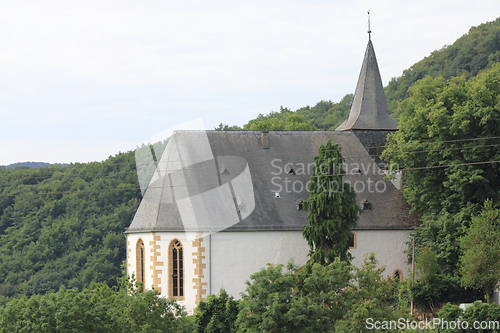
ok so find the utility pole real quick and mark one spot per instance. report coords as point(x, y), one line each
point(412, 272)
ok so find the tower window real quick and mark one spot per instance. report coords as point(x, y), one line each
point(177, 266)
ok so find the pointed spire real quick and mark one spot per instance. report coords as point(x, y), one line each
point(369, 109)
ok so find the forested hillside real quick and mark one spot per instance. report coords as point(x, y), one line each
point(64, 225)
point(29, 165)
point(324, 116)
point(475, 51)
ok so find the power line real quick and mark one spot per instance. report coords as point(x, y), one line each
point(252, 181)
point(82, 165)
point(253, 164)
point(449, 165)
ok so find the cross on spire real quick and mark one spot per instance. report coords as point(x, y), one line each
point(369, 30)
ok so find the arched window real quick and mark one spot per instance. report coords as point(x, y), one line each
point(139, 261)
point(177, 269)
point(397, 275)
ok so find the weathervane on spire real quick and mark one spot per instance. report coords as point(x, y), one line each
point(369, 30)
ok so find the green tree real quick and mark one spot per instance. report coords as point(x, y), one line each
point(285, 121)
point(216, 314)
point(369, 296)
point(95, 309)
point(326, 115)
point(226, 127)
point(338, 297)
point(446, 143)
point(332, 208)
point(265, 307)
point(434, 288)
point(480, 262)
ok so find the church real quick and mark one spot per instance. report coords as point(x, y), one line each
point(221, 205)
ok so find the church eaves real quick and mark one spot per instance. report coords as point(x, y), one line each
point(369, 109)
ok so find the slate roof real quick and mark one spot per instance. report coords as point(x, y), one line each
point(369, 109)
point(217, 158)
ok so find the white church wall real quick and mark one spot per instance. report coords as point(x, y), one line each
point(388, 246)
point(237, 255)
point(228, 259)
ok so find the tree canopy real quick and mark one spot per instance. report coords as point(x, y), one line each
point(217, 314)
point(338, 297)
point(94, 309)
point(285, 120)
point(448, 144)
point(480, 262)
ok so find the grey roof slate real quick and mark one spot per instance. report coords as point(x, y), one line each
point(369, 109)
point(235, 157)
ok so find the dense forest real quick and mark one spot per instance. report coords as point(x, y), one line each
point(63, 226)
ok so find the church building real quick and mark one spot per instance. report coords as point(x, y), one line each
point(221, 205)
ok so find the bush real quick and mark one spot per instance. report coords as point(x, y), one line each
point(481, 313)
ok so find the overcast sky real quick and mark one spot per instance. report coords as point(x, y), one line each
point(82, 80)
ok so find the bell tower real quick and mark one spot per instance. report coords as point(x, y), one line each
point(369, 117)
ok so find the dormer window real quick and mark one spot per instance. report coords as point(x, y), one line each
point(300, 204)
point(289, 170)
point(366, 204)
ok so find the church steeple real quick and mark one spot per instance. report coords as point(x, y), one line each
point(369, 109)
